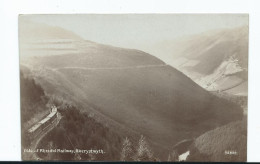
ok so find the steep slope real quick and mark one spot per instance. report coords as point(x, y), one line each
point(33, 101)
point(130, 90)
point(216, 60)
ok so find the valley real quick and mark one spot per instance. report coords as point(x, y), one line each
point(106, 94)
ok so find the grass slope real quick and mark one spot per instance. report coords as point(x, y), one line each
point(158, 102)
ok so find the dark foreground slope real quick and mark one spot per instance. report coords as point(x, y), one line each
point(33, 101)
point(131, 92)
point(226, 143)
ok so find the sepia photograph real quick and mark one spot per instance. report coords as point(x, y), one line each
point(134, 87)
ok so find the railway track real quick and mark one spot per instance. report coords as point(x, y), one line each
point(33, 146)
point(114, 68)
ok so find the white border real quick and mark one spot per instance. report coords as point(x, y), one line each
point(9, 70)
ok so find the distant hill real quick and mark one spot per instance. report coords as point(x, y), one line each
point(216, 60)
point(130, 91)
point(41, 39)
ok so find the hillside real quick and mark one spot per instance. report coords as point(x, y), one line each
point(216, 60)
point(227, 143)
point(131, 92)
point(33, 101)
point(79, 130)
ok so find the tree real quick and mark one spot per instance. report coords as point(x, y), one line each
point(127, 150)
point(144, 152)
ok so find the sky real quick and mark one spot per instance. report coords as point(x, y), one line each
point(128, 30)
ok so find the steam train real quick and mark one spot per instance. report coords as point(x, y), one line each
point(35, 130)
